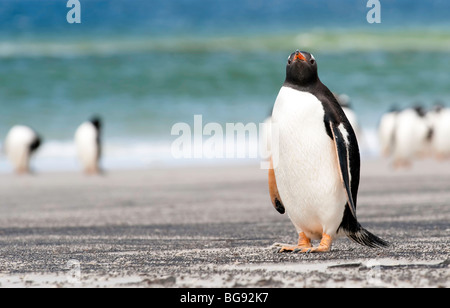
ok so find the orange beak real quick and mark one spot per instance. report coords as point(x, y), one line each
point(300, 56)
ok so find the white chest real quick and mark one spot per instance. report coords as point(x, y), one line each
point(307, 172)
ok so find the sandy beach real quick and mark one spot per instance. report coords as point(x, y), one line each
point(214, 227)
point(159, 92)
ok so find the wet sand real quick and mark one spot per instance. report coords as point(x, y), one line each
point(214, 227)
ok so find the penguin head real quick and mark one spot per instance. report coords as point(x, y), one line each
point(301, 68)
point(438, 106)
point(36, 143)
point(418, 108)
point(97, 122)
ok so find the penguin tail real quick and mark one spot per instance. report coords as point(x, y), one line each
point(365, 238)
point(351, 227)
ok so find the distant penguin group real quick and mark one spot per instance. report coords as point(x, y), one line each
point(22, 142)
point(414, 133)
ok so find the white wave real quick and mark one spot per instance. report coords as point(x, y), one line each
point(62, 156)
point(336, 40)
point(57, 155)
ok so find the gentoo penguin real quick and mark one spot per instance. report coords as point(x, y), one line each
point(88, 143)
point(318, 170)
point(411, 136)
point(20, 144)
point(386, 130)
point(440, 141)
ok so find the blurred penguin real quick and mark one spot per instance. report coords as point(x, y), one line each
point(411, 136)
point(88, 144)
point(344, 101)
point(440, 141)
point(265, 138)
point(20, 144)
point(434, 113)
point(267, 134)
point(386, 132)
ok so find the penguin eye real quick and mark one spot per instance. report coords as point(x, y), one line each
point(313, 61)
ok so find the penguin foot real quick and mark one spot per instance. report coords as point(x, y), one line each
point(402, 163)
point(22, 171)
point(303, 243)
point(292, 249)
point(442, 157)
point(92, 171)
point(324, 246)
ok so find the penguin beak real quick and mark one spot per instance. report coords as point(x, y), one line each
point(299, 56)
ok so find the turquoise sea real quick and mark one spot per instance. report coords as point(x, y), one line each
point(146, 65)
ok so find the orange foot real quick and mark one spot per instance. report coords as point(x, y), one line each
point(324, 246)
point(304, 245)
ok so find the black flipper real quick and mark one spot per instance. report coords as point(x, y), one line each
point(349, 224)
point(342, 150)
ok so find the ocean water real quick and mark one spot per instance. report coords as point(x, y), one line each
point(147, 65)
